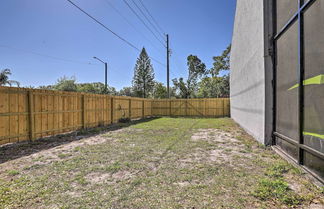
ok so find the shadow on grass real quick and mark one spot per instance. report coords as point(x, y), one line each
point(20, 149)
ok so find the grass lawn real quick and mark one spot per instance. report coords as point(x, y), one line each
point(157, 163)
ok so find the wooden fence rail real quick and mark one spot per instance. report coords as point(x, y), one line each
point(28, 114)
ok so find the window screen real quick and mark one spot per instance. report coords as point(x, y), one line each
point(285, 10)
point(287, 100)
point(314, 83)
point(300, 55)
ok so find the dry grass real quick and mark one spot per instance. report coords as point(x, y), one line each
point(162, 163)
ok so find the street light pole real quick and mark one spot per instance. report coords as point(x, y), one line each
point(106, 69)
point(106, 76)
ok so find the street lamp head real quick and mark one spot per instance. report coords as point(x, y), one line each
point(98, 59)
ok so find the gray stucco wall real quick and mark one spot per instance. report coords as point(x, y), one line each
point(247, 76)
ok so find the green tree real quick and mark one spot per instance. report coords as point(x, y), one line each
point(159, 91)
point(126, 91)
point(209, 87)
point(48, 87)
point(214, 87)
point(188, 88)
point(95, 88)
point(66, 84)
point(221, 63)
point(143, 80)
point(182, 90)
point(225, 87)
point(4, 78)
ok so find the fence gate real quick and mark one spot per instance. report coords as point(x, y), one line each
point(299, 82)
point(185, 107)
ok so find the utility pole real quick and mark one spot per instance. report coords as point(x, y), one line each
point(168, 67)
point(106, 77)
point(105, 63)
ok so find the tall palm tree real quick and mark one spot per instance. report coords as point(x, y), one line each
point(4, 78)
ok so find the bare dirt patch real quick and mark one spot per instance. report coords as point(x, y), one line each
point(121, 175)
point(214, 135)
point(97, 178)
point(47, 156)
point(73, 194)
point(228, 149)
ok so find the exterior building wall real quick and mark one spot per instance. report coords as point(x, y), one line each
point(247, 76)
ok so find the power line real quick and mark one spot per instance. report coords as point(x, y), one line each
point(142, 21)
point(161, 30)
point(47, 56)
point(147, 19)
point(97, 21)
point(132, 25)
point(104, 26)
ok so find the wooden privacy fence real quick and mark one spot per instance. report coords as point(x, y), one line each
point(28, 114)
point(205, 107)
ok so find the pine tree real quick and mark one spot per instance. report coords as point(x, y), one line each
point(143, 80)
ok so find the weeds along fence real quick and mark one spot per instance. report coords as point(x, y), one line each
point(28, 114)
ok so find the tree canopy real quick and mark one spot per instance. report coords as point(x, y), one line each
point(70, 84)
point(66, 84)
point(143, 80)
point(4, 78)
point(126, 91)
point(196, 69)
point(213, 85)
point(159, 91)
point(221, 63)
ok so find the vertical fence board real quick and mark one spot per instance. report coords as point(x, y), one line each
point(13, 108)
point(4, 119)
point(31, 115)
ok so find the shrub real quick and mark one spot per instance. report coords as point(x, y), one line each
point(124, 120)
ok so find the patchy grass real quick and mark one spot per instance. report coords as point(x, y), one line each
point(161, 163)
point(277, 190)
point(274, 186)
point(13, 172)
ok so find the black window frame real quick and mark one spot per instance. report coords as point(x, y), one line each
point(299, 18)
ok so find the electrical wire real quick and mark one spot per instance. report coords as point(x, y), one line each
point(141, 11)
point(104, 26)
point(97, 21)
point(132, 25)
point(47, 56)
point(136, 14)
point(158, 26)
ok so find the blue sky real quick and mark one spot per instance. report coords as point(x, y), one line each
point(67, 39)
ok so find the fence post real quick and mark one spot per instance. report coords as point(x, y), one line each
point(112, 109)
point(31, 115)
point(130, 108)
point(223, 108)
point(170, 109)
point(205, 107)
point(143, 115)
point(83, 111)
point(186, 107)
point(107, 105)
